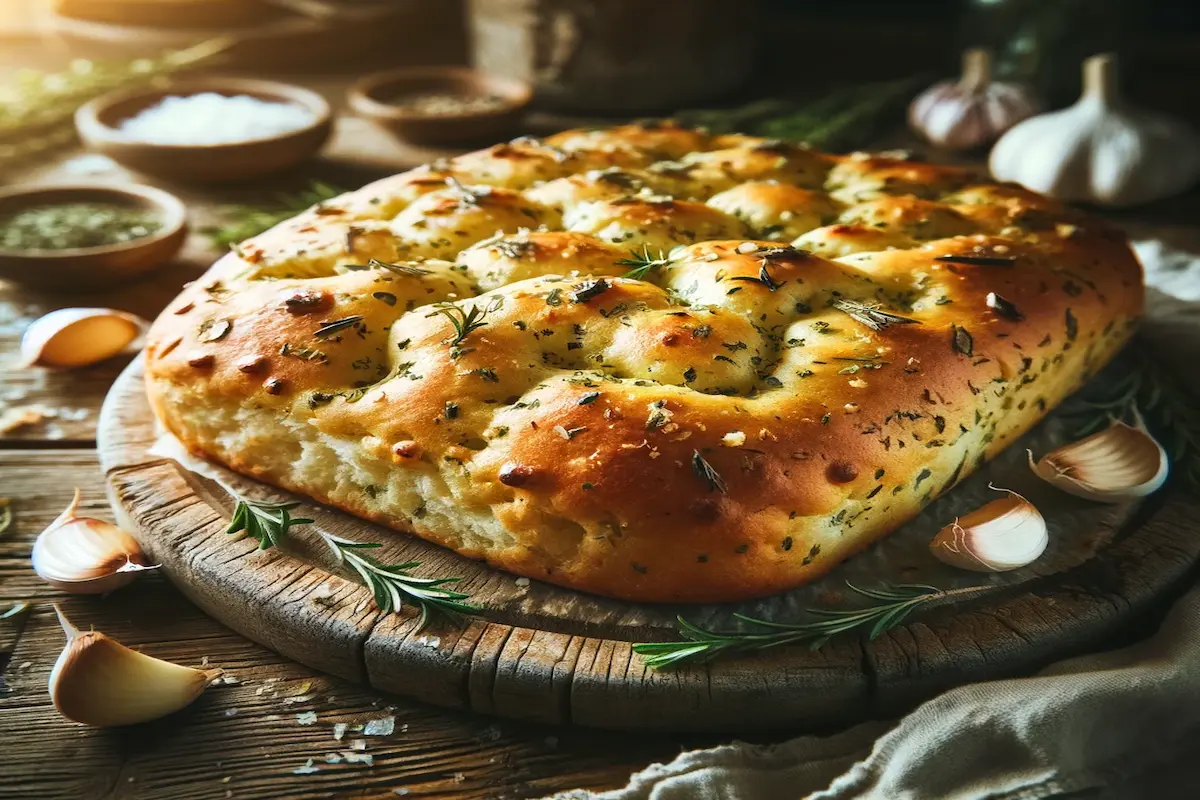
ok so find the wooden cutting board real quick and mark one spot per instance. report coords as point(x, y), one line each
point(551, 655)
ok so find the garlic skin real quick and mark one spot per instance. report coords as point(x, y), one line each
point(1120, 463)
point(98, 682)
point(1100, 150)
point(78, 337)
point(972, 111)
point(80, 555)
point(1000, 536)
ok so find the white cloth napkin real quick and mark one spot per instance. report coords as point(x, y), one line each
point(1095, 721)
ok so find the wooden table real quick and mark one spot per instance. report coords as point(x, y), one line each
point(245, 739)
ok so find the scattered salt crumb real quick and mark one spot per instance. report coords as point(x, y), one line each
point(307, 718)
point(231, 712)
point(734, 439)
point(358, 744)
point(301, 698)
point(321, 596)
point(384, 726)
point(273, 716)
point(358, 758)
point(333, 758)
point(429, 641)
point(225, 679)
point(339, 730)
point(459, 777)
point(858, 383)
point(24, 665)
point(522, 582)
point(204, 661)
point(491, 733)
point(260, 690)
point(227, 779)
point(306, 769)
point(401, 791)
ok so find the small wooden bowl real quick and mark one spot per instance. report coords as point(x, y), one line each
point(84, 268)
point(371, 96)
point(98, 124)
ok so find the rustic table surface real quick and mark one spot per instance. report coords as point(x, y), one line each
point(254, 737)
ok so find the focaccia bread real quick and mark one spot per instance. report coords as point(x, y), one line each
point(644, 362)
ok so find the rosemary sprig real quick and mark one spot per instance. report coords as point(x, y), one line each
point(330, 327)
point(643, 263)
point(872, 316)
point(392, 584)
point(843, 119)
point(399, 269)
point(894, 606)
point(266, 522)
point(245, 221)
point(1149, 391)
point(465, 322)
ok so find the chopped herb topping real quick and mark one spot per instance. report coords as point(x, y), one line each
point(979, 261)
point(588, 289)
point(871, 316)
point(1003, 307)
point(705, 472)
point(961, 340)
point(332, 327)
point(1072, 326)
point(588, 399)
point(465, 322)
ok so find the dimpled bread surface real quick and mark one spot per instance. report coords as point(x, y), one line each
point(644, 362)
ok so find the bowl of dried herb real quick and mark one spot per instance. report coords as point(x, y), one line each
point(79, 237)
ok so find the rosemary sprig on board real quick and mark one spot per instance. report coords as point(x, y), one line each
point(392, 584)
point(1149, 390)
point(245, 221)
point(266, 522)
point(643, 263)
point(894, 605)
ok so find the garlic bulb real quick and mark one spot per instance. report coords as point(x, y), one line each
point(99, 682)
point(1003, 535)
point(1100, 150)
point(971, 111)
point(1121, 462)
point(81, 555)
point(77, 337)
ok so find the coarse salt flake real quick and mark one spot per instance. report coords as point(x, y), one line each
point(211, 118)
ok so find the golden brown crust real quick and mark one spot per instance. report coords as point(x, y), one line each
point(729, 421)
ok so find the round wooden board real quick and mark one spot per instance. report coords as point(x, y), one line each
point(550, 655)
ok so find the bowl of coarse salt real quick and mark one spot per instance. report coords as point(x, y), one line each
point(212, 130)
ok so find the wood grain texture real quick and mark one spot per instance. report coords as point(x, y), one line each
point(243, 738)
point(549, 655)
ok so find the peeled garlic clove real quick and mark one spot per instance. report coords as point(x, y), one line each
point(81, 555)
point(1003, 535)
point(1121, 462)
point(77, 337)
point(99, 682)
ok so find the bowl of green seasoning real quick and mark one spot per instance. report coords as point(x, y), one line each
point(86, 236)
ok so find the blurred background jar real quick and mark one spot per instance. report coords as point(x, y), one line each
point(617, 56)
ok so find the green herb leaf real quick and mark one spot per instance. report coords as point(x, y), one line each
point(643, 263)
point(265, 522)
point(245, 221)
point(871, 316)
point(893, 606)
point(392, 585)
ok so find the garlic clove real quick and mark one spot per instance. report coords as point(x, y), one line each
point(100, 682)
point(1121, 462)
point(1000, 536)
point(81, 555)
point(971, 111)
point(1100, 150)
point(77, 337)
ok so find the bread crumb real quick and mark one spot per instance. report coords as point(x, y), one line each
point(734, 439)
